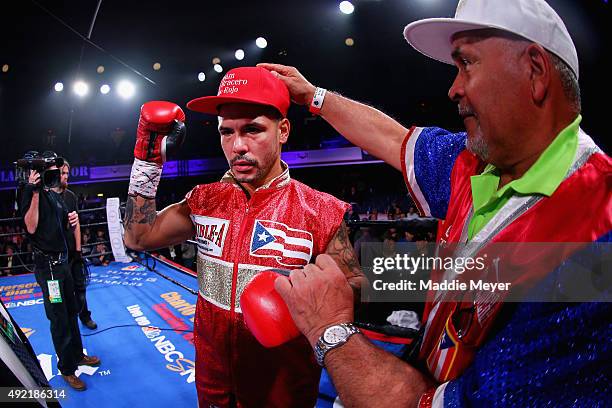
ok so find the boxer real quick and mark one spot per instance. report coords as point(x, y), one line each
point(255, 218)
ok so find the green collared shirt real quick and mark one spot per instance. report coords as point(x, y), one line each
point(542, 178)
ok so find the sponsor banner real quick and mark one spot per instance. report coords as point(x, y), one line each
point(83, 174)
point(115, 229)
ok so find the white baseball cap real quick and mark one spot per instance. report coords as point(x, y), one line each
point(534, 20)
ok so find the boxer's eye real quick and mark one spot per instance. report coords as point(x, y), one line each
point(252, 129)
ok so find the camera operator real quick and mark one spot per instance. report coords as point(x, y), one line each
point(75, 256)
point(48, 223)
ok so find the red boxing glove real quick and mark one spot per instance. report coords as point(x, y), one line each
point(160, 132)
point(265, 312)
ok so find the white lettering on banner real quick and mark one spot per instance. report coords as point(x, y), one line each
point(210, 234)
point(24, 303)
point(176, 359)
point(115, 230)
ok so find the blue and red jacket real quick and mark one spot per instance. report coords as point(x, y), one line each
point(522, 354)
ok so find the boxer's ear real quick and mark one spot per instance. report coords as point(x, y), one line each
point(284, 127)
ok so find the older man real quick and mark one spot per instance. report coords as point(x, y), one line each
point(523, 172)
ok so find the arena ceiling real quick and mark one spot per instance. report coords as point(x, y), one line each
point(40, 49)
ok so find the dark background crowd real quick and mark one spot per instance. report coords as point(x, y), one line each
point(374, 216)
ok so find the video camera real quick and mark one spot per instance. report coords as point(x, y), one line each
point(42, 163)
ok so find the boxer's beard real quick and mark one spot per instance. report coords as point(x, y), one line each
point(261, 170)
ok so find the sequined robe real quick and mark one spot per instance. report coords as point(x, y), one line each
point(284, 224)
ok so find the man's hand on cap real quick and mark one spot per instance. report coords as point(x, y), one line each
point(300, 89)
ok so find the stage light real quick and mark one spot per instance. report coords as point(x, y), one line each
point(104, 89)
point(261, 42)
point(201, 77)
point(59, 87)
point(218, 68)
point(157, 66)
point(5, 68)
point(346, 7)
point(100, 69)
point(349, 42)
point(216, 60)
point(126, 89)
point(81, 88)
point(239, 54)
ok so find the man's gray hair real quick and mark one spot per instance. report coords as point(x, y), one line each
point(569, 82)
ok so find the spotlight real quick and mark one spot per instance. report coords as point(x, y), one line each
point(5, 68)
point(218, 68)
point(261, 42)
point(201, 77)
point(59, 87)
point(81, 88)
point(157, 66)
point(346, 7)
point(349, 42)
point(126, 89)
point(216, 60)
point(100, 69)
point(104, 89)
point(239, 54)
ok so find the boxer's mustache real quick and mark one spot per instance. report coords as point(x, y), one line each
point(243, 158)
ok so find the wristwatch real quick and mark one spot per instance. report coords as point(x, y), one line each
point(334, 336)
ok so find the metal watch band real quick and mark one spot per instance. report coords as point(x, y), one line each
point(322, 347)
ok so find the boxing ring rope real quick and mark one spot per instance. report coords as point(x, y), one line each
point(399, 223)
point(144, 258)
point(29, 266)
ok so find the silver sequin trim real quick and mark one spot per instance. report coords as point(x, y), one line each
point(215, 280)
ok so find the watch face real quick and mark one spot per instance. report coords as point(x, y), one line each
point(334, 334)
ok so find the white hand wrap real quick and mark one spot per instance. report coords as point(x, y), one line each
point(144, 178)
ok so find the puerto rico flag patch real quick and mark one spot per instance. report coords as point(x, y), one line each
point(289, 246)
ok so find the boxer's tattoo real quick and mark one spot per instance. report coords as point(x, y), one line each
point(129, 212)
point(342, 251)
point(139, 213)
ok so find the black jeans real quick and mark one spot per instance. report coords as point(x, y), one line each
point(80, 287)
point(62, 316)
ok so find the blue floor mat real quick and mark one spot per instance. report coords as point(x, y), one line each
point(152, 369)
point(140, 368)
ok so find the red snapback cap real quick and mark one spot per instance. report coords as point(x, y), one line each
point(246, 85)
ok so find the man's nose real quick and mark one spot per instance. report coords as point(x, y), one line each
point(240, 145)
point(457, 90)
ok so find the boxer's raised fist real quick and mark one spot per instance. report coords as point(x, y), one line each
point(161, 131)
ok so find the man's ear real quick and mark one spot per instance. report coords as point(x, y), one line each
point(540, 74)
point(284, 126)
